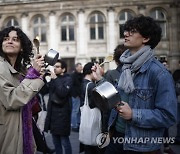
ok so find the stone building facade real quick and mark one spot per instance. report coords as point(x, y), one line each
point(89, 30)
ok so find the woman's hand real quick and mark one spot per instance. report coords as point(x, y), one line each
point(38, 63)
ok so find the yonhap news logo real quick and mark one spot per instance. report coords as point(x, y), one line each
point(103, 140)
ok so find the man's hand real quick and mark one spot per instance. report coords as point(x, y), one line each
point(125, 111)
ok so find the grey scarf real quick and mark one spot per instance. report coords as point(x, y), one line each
point(132, 63)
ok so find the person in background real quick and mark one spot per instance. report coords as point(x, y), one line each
point(165, 63)
point(167, 148)
point(147, 107)
point(77, 77)
point(20, 81)
point(113, 75)
point(58, 119)
point(90, 75)
point(176, 77)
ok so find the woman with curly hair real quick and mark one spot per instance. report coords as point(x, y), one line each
point(19, 83)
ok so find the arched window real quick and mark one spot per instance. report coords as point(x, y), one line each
point(97, 25)
point(160, 18)
point(123, 17)
point(67, 28)
point(12, 22)
point(39, 28)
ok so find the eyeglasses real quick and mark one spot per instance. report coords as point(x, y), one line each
point(130, 32)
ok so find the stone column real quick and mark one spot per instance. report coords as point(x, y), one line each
point(111, 43)
point(53, 31)
point(174, 53)
point(111, 35)
point(81, 34)
point(25, 23)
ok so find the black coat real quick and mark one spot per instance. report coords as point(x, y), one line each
point(76, 84)
point(58, 119)
point(91, 86)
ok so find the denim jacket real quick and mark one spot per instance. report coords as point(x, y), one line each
point(153, 104)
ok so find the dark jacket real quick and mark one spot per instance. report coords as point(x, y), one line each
point(58, 118)
point(91, 86)
point(76, 84)
point(113, 75)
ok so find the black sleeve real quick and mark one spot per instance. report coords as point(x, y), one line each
point(63, 87)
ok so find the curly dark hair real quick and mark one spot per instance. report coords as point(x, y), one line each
point(118, 52)
point(23, 59)
point(147, 27)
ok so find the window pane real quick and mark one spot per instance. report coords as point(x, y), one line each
point(129, 16)
point(93, 59)
point(122, 16)
point(64, 19)
point(92, 33)
point(43, 34)
point(71, 33)
point(101, 34)
point(160, 18)
point(39, 28)
point(36, 21)
point(160, 15)
point(163, 27)
point(121, 29)
point(9, 24)
point(153, 15)
point(67, 28)
point(12, 22)
point(63, 33)
point(42, 20)
point(36, 33)
point(15, 23)
point(92, 20)
point(96, 26)
point(101, 59)
point(71, 18)
point(43, 37)
point(100, 18)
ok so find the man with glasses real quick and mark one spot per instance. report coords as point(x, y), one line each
point(147, 106)
point(58, 119)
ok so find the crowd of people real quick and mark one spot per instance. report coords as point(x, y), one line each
point(146, 110)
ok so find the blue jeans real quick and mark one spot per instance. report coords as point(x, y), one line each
point(75, 115)
point(60, 141)
point(115, 148)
